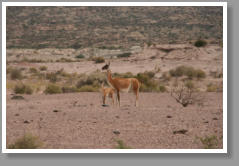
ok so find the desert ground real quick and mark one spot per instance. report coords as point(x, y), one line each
point(79, 121)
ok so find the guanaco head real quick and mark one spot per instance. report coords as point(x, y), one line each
point(106, 66)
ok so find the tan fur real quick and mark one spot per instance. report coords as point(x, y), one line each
point(122, 84)
point(107, 92)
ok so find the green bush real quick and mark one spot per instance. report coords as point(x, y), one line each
point(124, 55)
point(26, 142)
point(188, 71)
point(148, 84)
point(23, 89)
point(16, 74)
point(80, 56)
point(53, 89)
point(200, 43)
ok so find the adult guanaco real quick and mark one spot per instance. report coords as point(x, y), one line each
point(122, 84)
point(107, 92)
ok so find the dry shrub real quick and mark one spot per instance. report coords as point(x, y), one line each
point(121, 145)
point(53, 89)
point(183, 94)
point(88, 88)
point(28, 141)
point(97, 59)
point(23, 89)
point(69, 89)
point(16, 74)
point(188, 71)
point(209, 142)
point(43, 68)
point(32, 70)
point(94, 79)
point(214, 87)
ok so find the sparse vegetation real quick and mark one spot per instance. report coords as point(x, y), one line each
point(16, 74)
point(200, 43)
point(81, 56)
point(28, 141)
point(64, 60)
point(183, 94)
point(214, 87)
point(94, 80)
point(23, 89)
point(216, 74)
point(32, 70)
point(110, 35)
point(43, 68)
point(190, 72)
point(69, 89)
point(52, 77)
point(124, 55)
point(53, 89)
point(97, 59)
point(209, 142)
point(121, 145)
point(88, 88)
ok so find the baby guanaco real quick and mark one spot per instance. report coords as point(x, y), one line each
point(107, 92)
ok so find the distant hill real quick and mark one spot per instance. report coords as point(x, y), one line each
point(110, 27)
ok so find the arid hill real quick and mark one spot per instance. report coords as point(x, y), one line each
point(110, 27)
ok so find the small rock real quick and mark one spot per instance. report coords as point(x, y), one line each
point(117, 117)
point(169, 116)
point(104, 105)
point(56, 111)
point(116, 132)
point(16, 114)
point(205, 122)
point(215, 118)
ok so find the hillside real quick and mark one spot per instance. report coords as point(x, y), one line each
point(110, 27)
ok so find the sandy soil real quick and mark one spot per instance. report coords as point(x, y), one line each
point(79, 121)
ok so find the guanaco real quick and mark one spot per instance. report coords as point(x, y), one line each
point(122, 84)
point(107, 92)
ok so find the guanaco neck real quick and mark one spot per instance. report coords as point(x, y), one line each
point(109, 77)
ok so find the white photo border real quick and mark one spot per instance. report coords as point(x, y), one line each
point(222, 4)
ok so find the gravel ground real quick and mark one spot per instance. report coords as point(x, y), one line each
point(79, 121)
